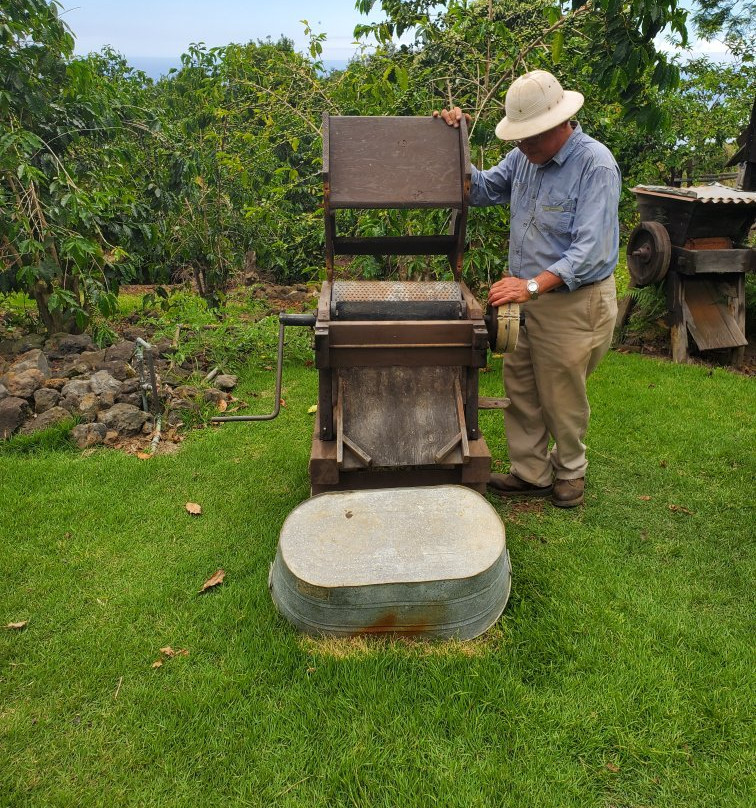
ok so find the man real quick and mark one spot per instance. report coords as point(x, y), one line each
point(563, 191)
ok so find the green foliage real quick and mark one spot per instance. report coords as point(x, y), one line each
point(67, 187)
point(107, 177)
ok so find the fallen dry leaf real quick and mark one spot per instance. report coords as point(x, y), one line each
point(170, 653)
point(645, 498)
point(193, 508)
point(312, 409)
point(214, 580)
point(18, 626)
point(144, 455)
point(158, 663)
point(613, 767)
point(222, 405)
point(283, 402)
point(679, 509)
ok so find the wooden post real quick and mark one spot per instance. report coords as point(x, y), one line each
point(678, 328)
point(736, 305)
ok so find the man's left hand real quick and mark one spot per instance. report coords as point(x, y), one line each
point(508, 290)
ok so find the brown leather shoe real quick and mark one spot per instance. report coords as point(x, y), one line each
point(508, 485)
point(568, 493)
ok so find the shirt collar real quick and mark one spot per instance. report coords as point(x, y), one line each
point(561, 156)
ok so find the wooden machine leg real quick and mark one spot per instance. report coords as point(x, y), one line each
point(736, 304)
point(678, 327)
point(624, 309)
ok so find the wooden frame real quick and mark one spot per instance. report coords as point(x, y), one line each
point(395, 163)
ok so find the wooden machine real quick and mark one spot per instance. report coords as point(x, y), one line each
point(694, 240)
point(398, 365)
point(398, 361)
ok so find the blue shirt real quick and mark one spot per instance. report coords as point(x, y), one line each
point(563, 214)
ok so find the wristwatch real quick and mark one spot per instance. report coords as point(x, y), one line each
point(533, 288)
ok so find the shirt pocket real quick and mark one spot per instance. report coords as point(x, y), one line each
point(556, 214)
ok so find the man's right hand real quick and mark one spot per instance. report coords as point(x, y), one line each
point(452, 116)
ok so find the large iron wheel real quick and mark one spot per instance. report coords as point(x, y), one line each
point(649, 251)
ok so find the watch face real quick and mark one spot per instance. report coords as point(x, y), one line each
point(532, 287)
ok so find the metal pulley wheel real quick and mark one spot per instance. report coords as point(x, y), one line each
point(648, 253)
point(503, 325)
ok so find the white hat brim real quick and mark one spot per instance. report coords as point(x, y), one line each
point(563, 111)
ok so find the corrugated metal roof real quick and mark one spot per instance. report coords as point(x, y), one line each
point(716, 192)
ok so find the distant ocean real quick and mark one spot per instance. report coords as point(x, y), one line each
point(157, 66)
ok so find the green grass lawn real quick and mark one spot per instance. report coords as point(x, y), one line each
point(621, 673)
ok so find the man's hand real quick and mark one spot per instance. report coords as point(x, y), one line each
point(451, 116)
point(508, 290)
point(515, 290)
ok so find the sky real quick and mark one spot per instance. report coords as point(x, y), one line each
point(164, 28)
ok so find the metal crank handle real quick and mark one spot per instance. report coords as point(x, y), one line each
point(283, 321)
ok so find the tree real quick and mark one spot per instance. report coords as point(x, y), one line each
point(64, 185)
point(614, 39)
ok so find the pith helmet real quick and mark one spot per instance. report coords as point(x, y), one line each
point(536, 103)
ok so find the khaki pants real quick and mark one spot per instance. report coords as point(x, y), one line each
point(565, 336)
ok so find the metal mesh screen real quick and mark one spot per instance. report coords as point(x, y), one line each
point(395, 291)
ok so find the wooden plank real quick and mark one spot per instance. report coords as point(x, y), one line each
point(325, 403)
point(339, 413)
point(488, 403)
point(357, 451)
point(474, 309)
point(462, 422)
point(442, 453)
point(459, 222)
point(400, 416)
point(411, 343)
point(736, 304)
point(394, 162)
point(323, 468)
point(478, 470)
point(696, 262)
point(394, 245)
point(678, 333)
point(709, 321)
point(469, 376)
point(359, 480)
point(325, 133)
point(624, 309)
point(324, 303)
point(412, 356)
point(709, 243)
point(330, 234)
point(401, 333)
